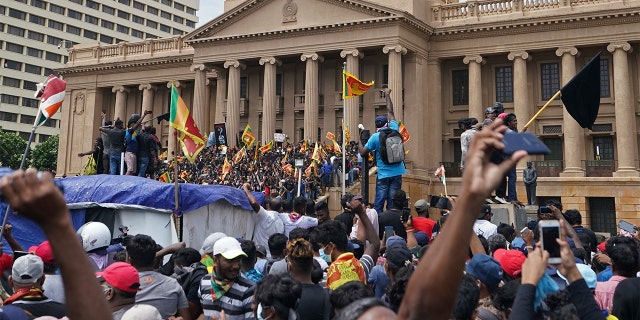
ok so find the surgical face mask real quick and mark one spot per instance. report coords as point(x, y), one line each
point(259, 313)
point(326, 257)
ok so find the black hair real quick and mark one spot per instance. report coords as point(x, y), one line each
point(120, 256)
point(495, 242)
point(625, 299)
point(287, 205)
point(313, 238)
point(467, 299)
point(348, 293)
point(345, 200)
point(186, 256)
point(275, 204)
point(581, 254)
point(399, 199)
point(299, 205)
point(510, 117)
point(574, 217)
point(554, 203)
point(310, 210)
point(354, 310)
point(249, 248)
point(625, 255)
point(485, 245)
point(333, 231)
point(277, 243)
point(359, 251)
point(123, 294)
point(322, 205)
point(395, 291)
point(317, 274)
point(506, 230)
point(280, 291)
point(142, 251)
point(462, 123)
point(559, 306)
point(505, 296)
point(299, 233)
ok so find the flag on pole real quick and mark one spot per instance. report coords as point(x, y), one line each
point(266, 147)
point(352, 86)
point(347, 136)
point(284, 159)
point(440, 173)
point(404, 132)
point(330, 136)
point(336, 147)
point(287, 168)
point(581, 95)
point(247, 136)
point(165, 177)
point(309, 170)
point(190, 137)
point(316, 153)
point(304, 147)
point(226, 167)
point(239, 155)
point(51, 93)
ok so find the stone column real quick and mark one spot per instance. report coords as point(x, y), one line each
point(311, 95)
point(121, 101)
point(571, 130)
point(415, 106)
point(352, 105)
point(269, 99)
point(147, 97)
point(395, 53)
point(233, 101)
point(521, 105)
point(200, 96)
point(433, 116)
point(626, 139)
point(475, 63)
point(171, 139)
point(221, 94)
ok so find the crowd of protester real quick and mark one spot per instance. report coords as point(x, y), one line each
point(303, 264)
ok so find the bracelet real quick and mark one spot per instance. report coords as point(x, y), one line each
point(530, 247)
point(410, 230)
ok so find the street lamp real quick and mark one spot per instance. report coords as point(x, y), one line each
point(299, 163)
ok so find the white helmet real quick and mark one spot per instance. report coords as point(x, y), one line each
point(94, 235)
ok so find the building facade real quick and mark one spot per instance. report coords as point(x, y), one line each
point(276, 65)
point(35, 36)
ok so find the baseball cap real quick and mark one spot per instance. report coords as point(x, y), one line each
point(381, 121)
point(486, 269)
point(489, 110)
point(228, 247)
point(27, 269)
point(207, 245)
point(142, 312)
point(43, 251)
point(399, 256)
point(587, 273)
point(421, 205)
point(485, 209)
point(121, 276)
point(511, 261)
point(395, 241)
point(422, 238)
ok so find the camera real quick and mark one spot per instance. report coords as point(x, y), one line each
point(544, 209)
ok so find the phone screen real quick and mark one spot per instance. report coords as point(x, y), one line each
point(388, 232)
point(549, 236)
point(626, 226)
point(406, 212)
point(18, 254)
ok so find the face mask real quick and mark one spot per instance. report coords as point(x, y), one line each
point(324, 256)
point(259, 312)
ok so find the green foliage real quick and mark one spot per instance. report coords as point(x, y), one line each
point(45, 155)
point(12, 147)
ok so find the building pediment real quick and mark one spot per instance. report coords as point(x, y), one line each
point(277, 16)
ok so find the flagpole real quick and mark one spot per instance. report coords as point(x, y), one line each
point(22, 163)
point(535, 116)
point(176, 187)
point(344, 138)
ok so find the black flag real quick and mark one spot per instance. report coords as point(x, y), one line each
point(581, 95)
point(164, 116)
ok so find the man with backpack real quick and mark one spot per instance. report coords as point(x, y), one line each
point(389, 154)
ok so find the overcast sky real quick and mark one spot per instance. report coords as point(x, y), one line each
point(209, 9)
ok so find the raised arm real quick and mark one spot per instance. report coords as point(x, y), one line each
point(137, 125)
point(373, 249)
point(387, 95)
point(15, 246)
point(252, 200)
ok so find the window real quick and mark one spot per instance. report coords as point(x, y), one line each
point(15, 31)
point(107, 24)
point(38, 4)
point(2, 9)
point(9, 99)
point(8, 116)
point(165, 15)
point(605, 88)
point(43, 137)
point(191, 24)
point(460, 87)
point(165, 28)
point(11, 82)
point(504, 84)
point(29, 85)
point(177, 31)
point(152, 24)
point(178, 6)
point(53, 56)
point(27, 119)
point(13, 47)
point(74, 14)
point(555, 145)
point(34, 52)
point(106, 39)
point(123, 29)
point(48, 71)
point(191, 10)
point(77, 1)
point(137, 19)
point(603, 145)
point(48, 123)
point(549, 80)
point(29, 102)
point(123, 15)
point(137, 33)
point(278, 84)
point(36, 36)
point(166, 2)
point(1, 27)
point(17, 14)
point(92, 4)
point(21, 1)
point(73, 30)
point(32, 69)
point(14, 65)
point(53, 24)
point(152, 10)
point(178, 19)
point(90, 34)
point(36, 19)
point(56, 9)
point(126, 2)
point(90, 19)
point(244, 81)
point(138, 5)
point(151, 36)
point(24, 135)
point(54, 40)
point(603, 214)
point(108, 10)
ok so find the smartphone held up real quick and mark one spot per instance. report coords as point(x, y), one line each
point(549, 233)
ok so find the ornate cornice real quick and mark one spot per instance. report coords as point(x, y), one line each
point(120, 89)
point(567, 50)
point(625, 46)
point(518, 54)
point(233, 63)
point(124, 64)
point(312, 56)
point(474, 58)
point(175, 83)
point(146, 86)
point(394, 47)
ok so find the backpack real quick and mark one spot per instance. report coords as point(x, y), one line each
point(391, 148)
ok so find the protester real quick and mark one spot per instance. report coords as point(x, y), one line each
point(116, 138)
point(483, 226)
point(189, 272)
point(393, 216)
point(120, 283)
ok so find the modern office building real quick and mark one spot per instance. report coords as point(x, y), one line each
point(276, 65)
point(35, 36)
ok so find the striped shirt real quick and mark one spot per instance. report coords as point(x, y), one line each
point(236, 303)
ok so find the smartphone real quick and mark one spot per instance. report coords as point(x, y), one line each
point(18, 254)
point(544, 209)
point(388, 232)
point(406, 213)
point(527, 141)
point(523, 230)
point(626, 226)
point(550, 231)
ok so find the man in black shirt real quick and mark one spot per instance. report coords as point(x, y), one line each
point(346, 217)
point(393, 217)
point(116, 145)
point(586, 236)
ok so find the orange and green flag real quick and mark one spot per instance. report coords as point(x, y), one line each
point(247, 136)
point(190, 137)
point(404, 132)
point(352, 86)
point(266, 147)
point(316, 153)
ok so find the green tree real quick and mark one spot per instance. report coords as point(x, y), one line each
point(45, 155)
point(12, 147)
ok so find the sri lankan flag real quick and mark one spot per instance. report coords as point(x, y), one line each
point(190, 137)
point(239, 155)
point(316, 153)
point(304, 147)
point(287, 168)
point(330, 136)
point(352, 86)
point(404, 132)
point(226, 167)
point(266, 147)
point(336, 147)
point(165, 177)
point(247, 136)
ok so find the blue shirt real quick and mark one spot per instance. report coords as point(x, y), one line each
point(131, 137)
point(378, 277)
point(385, 170)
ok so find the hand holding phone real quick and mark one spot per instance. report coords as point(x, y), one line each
point(549, 232)
point(514, 141)
point(626, 226)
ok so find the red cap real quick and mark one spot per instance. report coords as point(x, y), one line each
point(510, 260)
point(43, 251)
point(601, 247)
point(121, 276)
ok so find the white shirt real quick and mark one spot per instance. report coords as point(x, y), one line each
point(266, 223)
point(303, 222)
point(373, 216)
point(485, 228)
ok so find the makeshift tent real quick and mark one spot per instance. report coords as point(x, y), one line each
point(145, 206)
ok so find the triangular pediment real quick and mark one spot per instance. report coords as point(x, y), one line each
point(264, 16)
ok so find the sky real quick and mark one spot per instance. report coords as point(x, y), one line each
point(209, 9)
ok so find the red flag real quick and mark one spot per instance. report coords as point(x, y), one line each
point(190, 137)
